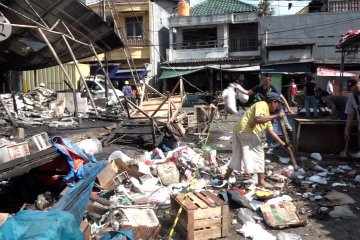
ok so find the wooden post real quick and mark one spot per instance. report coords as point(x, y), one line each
point(152, 130)
point(169, 106)
point(13, 94)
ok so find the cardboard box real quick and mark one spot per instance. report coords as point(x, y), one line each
point(112, 169)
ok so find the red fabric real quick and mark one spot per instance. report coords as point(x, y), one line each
point(239, 190)
point(78, 161)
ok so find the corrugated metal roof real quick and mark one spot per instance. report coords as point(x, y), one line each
point(25, 49)
point(211, 7)
point(213, 60)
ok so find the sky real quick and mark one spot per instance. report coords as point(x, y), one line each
point(280, 7)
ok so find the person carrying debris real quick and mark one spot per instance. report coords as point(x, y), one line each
point(352, 108)
point(247, 149)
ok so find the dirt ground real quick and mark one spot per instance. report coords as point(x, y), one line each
point(325, 228)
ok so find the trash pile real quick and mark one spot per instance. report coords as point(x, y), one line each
point(131, 190)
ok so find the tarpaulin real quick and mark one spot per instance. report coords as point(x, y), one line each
point(41, 225)
point(119, 235)
point(76, 158)
point(169, 73)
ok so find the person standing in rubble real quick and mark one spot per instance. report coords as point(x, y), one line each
point(247, 149)
point(127, 90)
point(140, 92)
point(293, 91)
point(310, 97)
point(330, 87)
point(352, 109)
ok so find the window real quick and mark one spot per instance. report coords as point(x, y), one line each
point(134, 27)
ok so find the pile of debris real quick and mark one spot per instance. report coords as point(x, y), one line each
point(44, 106)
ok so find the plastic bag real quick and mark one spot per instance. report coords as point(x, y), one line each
point(119, 154)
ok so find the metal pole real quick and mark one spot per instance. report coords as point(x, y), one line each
point(63, 69)
point(81, 76)
point(342, 69)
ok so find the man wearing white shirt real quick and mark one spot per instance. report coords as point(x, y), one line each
point(330, 87)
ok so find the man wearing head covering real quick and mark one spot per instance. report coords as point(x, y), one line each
point(247, 150)
point(140, 92)
point(127, 90)
point(352, 109)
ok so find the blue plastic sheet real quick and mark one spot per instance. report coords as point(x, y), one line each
point(74, 174)
point(118, 235)
point(26, 225)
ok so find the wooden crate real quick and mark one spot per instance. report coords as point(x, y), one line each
point(204, 215)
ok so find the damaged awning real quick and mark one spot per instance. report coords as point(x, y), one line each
point(236, 69)
point(126, 73)
point(26, 49)
point(289, 68)
point(171, 73)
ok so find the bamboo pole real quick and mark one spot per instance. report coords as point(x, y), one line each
point(81, 75)
point(76, 114)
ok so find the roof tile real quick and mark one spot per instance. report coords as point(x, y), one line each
point(211, 7)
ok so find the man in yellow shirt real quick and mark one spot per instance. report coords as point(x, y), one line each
point(247, 150)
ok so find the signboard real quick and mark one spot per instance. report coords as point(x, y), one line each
point(5, 28)
point(332, 72)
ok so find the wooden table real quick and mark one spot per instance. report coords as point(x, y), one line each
point(322, 135)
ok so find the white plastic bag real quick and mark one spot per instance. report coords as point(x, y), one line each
point(119, 154)
point(230, 100)
point(243, 98)
point(90, 146)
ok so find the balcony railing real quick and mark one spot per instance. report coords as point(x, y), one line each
point(127, 1)
point(89, 2)
point(199, 44)
point(243, 44)
point(138, 42)
point(340, 6)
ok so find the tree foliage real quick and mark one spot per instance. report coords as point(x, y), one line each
point(264, 8)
